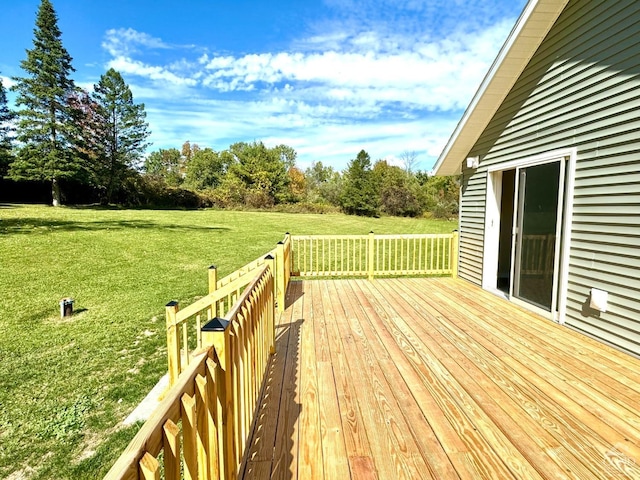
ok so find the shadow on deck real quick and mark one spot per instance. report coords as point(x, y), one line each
point(435, 378)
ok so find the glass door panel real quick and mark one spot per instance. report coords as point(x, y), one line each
point(537, 229)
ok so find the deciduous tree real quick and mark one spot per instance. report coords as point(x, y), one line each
point(324, 184)
point(297, 184)
point(206, 168)
point(44, 127)
point(164, 164)
point(409, 160)
point(89, 132)
point(263, 171)
point(441, 196)
point(397, 189)
point(188, 152)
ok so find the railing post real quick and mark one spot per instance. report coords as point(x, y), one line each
point(272, 314)
point(288, 265)
point(213, 286)
point(213, 278)
point(370, 254)
point(217, 332)
point(173, 342)
point(281, 285)
point(292, 265)
point(454, 254)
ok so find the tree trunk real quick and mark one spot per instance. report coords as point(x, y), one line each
point(55, 193)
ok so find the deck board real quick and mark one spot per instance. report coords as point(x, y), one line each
point(435, 378)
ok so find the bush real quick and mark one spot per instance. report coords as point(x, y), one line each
point(258, 199)
point(145, 191)
point(230, 193)
point(445, 210)
point(399, 201)
point(306, 207)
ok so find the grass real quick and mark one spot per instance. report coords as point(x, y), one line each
point(66, 385)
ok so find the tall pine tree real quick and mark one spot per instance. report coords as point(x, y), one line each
point(6, 127)
point(126, 131)
point(359, 196)
point(45, 126)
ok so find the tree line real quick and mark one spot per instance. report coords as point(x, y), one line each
point(96, 142)
point(256, 176)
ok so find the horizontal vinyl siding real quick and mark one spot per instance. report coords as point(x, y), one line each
point(472, 226)
point(582, 89)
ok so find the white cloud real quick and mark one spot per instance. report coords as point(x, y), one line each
point(126, 41)
point(7, 82)
point(314, 133)
point(333, 93)
point(433, 75)
point(134, 67)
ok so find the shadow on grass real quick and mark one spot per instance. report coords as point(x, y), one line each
point(39, 225)
point(114, 207)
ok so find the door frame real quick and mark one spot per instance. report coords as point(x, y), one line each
point(492, 225)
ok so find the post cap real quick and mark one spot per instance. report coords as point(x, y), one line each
point(280, 242)
point(216, 324)
point(213, 267)
point(172, 303)
point(269, 257)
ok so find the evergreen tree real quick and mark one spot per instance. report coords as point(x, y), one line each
point(126, 131)
point(6, 128)
point(359, 196)
point(44, 127)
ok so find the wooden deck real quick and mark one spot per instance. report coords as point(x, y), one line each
point(434, 378)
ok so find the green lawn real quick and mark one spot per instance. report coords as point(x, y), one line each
point(66, 385)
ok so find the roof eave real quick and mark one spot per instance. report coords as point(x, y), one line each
point(532, 27)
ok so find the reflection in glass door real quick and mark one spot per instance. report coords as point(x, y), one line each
point(538, 233)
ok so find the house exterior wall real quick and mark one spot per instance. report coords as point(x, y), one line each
point(581, 89)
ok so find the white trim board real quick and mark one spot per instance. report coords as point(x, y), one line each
point(492, 219)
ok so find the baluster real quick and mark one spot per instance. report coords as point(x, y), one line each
point(189, 437)
point(149, 467)
point(171, 449)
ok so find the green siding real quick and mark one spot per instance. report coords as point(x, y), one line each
point(581, 89)
point(472, 227)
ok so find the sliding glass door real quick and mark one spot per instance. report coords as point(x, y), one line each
point(538, 233)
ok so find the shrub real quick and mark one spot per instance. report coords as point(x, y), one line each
point(445, 210)
point(256, 198)
point(306, 207)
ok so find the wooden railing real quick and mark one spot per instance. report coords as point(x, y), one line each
point(374, 255)
point(184, 327)
point(538, 255)
point(218, 349)
point(201, 428)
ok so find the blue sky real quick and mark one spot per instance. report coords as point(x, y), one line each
point(328, 78)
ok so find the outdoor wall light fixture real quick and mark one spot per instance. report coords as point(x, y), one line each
point(598, 300)
point(473, 162)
